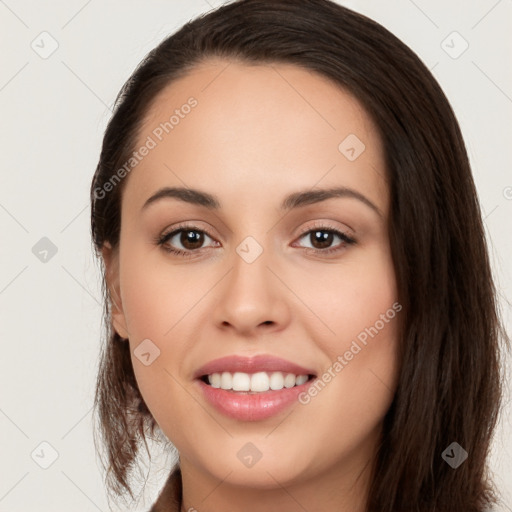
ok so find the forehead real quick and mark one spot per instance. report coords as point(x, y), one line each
point(271, 127)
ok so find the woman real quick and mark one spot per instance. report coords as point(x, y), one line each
point(297, 288)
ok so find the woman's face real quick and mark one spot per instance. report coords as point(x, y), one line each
point(262, 275)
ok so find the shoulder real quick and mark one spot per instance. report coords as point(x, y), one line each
point(169, 499)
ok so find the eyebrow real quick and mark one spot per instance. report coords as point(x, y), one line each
point(292, 201)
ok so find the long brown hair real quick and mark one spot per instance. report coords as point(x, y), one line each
point(450, 382)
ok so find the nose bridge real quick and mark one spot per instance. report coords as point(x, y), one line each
point(250, 266)
point(250, 295)
point(249, 281)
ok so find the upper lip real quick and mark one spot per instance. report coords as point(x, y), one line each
point(259, 363)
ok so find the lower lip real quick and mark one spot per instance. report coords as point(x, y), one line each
point(252, 407)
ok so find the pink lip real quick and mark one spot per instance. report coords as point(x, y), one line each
point(259, 363)
point(252, 407)
point(245, 406)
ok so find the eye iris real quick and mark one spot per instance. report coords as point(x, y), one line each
point(192, 239)
point(324, 238)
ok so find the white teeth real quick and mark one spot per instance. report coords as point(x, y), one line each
point(276, 381)
point(289, 380)
point(255, 382)
point(226, 380)
point(215, 380)
point(241, 381)
point(301, 379)
point(259, 381)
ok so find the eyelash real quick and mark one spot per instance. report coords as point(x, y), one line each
point(161, 240)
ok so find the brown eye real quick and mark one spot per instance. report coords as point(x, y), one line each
point(191, 239)
point(184, 240)
point(322, 240)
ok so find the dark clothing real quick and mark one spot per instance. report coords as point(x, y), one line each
point(169, 499)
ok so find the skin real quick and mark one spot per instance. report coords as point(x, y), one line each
point(257, 134)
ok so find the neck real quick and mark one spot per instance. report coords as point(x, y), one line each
point(342, 488)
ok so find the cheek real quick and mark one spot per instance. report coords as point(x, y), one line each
point(351, 298)
point(154, 323)
point(364, 382)
point(356, 389)
point(156, 297)
point(361, 309)
point(161, 303)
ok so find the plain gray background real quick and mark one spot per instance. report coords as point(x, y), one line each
point(54, 109)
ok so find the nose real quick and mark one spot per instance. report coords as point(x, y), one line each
point(251, 299)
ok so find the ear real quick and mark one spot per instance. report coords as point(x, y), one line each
point(111, 261)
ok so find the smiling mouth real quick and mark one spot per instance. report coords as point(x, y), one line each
point(254, 383)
